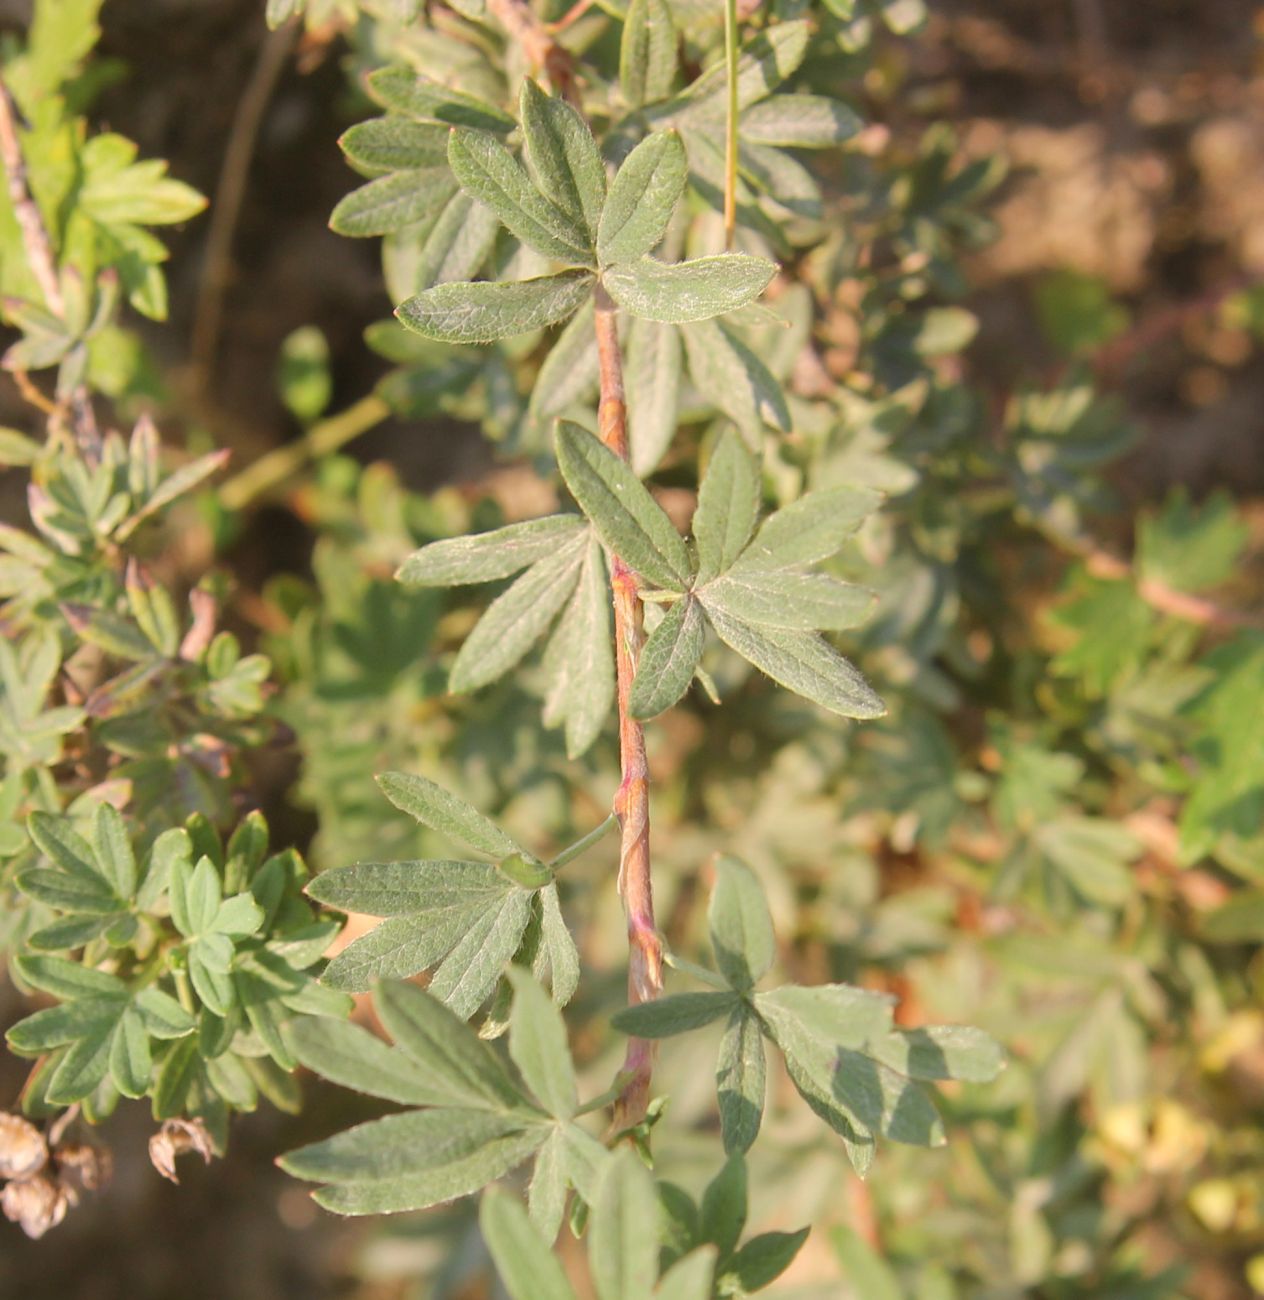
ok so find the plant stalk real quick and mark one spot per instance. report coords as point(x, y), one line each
point(632, 800)
point(730, 128)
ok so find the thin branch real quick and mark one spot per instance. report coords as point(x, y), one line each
point(632, 800)
point(269, 472)
point(572, 15)
point(730, 130)
point(542, 51)
point(39, 247)
point(230, 191)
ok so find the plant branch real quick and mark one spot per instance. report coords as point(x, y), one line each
point(632, 800)
point(39, 247)
point(322, 439)
point(730, 130)
point(230, 190)
point(537, 42)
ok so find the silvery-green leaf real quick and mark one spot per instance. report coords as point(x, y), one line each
point(412, 1160)
point(763, 65)
point(579, 659)
point(668, 660)
point(728, 505)
point(742, 936)
point(652, 378)
point(468, 974)
point(730, 376)
point(419, 96)
point(800, 121)
point(647, 52)
point(781, 181)
point(779, 599)
point(485, 310)
point(131, 1062)
point(801, 662)
point(763, 1259)
point(458, 244)
point(624, 514)
point(643, 196)
point(448, 813)
point(488, 171)
point(941, 1052)
point(447, 1055)
point(401, 888)
point(810, 529)
point(546, 1193)
point(569, 373)
point(740, 1079)
point(623, 1233)
point(562, 156)
point(485, 557)
point(352, 1057)
point(392, 144)
point(689, 1278)
point(518, 617)
point(886, 1102)
point(558, 947)
point(402, 946)
point(677, 1013)
point(688, 291)
point(539, 1047)
point(392, 202)
point(524, 1261)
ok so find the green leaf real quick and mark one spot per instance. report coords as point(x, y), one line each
point(391, 144)
point(485, 557)
point(763, 1259)
point(53, 1027)
point(941, 1052)
point(792, 601)
point(351, 1056)
point(741, 925)
point(114, 850)
point(539, 1048)
point(800, 121)
point(449, 1059)
point(238, 916)
point(730, 376)
point(526, 1263)
point(392, 202)
point(162, 1015)
point(689, 1278)
point(740, 1080)
point(870, 1276)
point(58, 841)
point(412, 1161)
point(1191, 548)
point(677, 1013)
point(483, 311)
point(886, 1102)
point(579, 659)
point(435, 807)
point(468, 974)
point(68, 979)
point(766, 62)
point(722, 1214)
point(404, 888)
point(623, 1236)
point(1093, 854)
point(546, 1194)
point(401, 947)
point(624, 514)
point(489, 172)
point(131, 1064)
point(558, 947)
point(809, 530)
point(419, 96)
point(832, 1015)
point(652, 376)
point(647, 52)
point(518, 617)
point(562, 157)
point(688, 291)
point(728, 505)
point(643, 196)
point(800, 662)
point(459, 242)
point(668, 660)
point(83, 1066)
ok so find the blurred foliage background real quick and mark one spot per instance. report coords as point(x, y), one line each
point(1041, 275)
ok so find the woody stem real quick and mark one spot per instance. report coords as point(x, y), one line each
point(632, 800)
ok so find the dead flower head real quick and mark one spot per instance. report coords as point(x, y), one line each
point(175, 1138)
point(36, 1204)
point(23, 1151)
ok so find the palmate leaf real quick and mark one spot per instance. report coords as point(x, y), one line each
point(730, 376)
point(392, 202)
point(524, 1260)
point(687, 291)
point(486, 310)
point(423, 98)
point(800, 121)
point(623, 1238)
point(538, 1047)
point(652, 376)
point(810, 529)
point(391, 144)
point(728, 505)
point(485, 557)
point(458, 245)
point(740, 1078)
point(668, 660)
point(794, 601)
point(741, 926)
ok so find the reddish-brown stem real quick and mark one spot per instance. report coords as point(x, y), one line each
point(632, 800)
point(536, 40)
